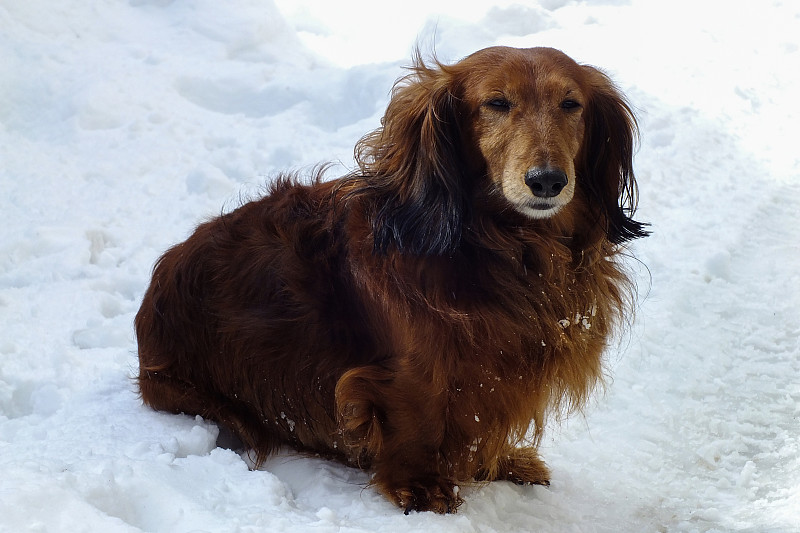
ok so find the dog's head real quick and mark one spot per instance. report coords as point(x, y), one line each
point(528, 125)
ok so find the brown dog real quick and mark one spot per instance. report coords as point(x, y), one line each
point(420, 316)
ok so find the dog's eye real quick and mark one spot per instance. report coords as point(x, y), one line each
point(570, 104)
point(498, 104)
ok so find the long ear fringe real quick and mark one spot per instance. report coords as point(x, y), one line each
point(412, 162)
point(607, 163)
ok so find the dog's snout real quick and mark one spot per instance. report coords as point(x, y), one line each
point(546, 182)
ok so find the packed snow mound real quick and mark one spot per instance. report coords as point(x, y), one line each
point(125, 124)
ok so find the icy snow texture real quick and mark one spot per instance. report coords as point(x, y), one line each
point(123, 125)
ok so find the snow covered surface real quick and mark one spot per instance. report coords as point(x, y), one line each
point(124, 124)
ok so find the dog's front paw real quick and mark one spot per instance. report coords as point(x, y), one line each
point(437, 495)
point(521, 466)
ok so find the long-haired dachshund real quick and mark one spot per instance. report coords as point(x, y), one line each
point(422, 316)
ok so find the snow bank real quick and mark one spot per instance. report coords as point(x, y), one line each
point(123, 125)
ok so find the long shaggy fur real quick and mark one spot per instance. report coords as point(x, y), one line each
point(419, 317)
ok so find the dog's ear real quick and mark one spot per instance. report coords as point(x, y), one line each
point(605, 164)
point(413, 163)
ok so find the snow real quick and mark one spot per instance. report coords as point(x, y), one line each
point(124, 124)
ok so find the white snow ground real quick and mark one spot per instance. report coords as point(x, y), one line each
point(124, 124)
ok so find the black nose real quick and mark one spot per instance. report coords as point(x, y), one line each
point(545, 182)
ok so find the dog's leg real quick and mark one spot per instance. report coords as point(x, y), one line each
point(400, 434)
point(166, 393)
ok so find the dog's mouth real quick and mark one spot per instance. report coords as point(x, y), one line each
point(540, 209)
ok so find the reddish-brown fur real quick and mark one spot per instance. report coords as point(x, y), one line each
point(423, 315)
